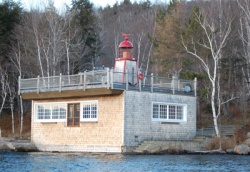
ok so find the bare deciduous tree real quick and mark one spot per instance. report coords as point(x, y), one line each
point(215, 40)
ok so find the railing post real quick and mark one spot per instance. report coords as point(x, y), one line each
point(178, 85)
point(111, 78)
point(84, 80)
point(80, 78)
point(173, 80)
point(152, 82)
point(195, 86)
point(38, 83)
point(139, 85)
point(107, 74)
point(48, 82)
point(60, 83)
point(126, 76)
point(19, 85)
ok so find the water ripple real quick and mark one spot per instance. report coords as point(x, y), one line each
point(78, 162)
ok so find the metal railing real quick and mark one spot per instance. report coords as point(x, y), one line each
point(110, 80)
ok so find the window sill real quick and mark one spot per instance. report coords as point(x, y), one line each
point(170, 123)
point(73, 126)
point(48, 122)
point(88, 121)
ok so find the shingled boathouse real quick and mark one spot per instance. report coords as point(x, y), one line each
point(109, 110)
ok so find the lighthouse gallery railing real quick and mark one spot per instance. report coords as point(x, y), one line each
point(107, 79)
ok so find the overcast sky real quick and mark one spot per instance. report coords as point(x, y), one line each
point(59, 3)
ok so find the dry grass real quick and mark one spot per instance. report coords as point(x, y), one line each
point(240, 135)
point(225, 142)
point(229, 142)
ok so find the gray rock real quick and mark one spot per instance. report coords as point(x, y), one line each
point(10, 145)
point(247, 141)
point(24, 147)
point(242, 149)
point(155, 150)
point(248, 135)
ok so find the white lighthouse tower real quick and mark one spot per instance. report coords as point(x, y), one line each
point(125, 63)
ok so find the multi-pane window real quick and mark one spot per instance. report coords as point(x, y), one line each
point(58, 112)
point(179, 112)
point(163, 111)
point(89, 111)
point(71, 112)
point(168, 112)
point(50, 112)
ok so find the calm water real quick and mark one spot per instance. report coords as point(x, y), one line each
point(106, 162)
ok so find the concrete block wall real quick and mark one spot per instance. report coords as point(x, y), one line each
point(105, 135)
point(138, 118)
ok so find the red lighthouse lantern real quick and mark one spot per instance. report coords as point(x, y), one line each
point(126, 64)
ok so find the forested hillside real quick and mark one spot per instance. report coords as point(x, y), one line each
point(209, 40)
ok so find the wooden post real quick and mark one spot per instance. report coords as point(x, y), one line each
point(178, 84)
point(195, 86)
point(152, 82)
point(126, 74)
point(84, 80)
point(173, 80)
point(60, 83)
point(48, 82)
point(38, 83)
point(80, 78)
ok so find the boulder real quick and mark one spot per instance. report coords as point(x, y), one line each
point(24, 147)
point(10, 145)
point(248, 135)
point(242, 149)
point(247, 141)
point(155, 150)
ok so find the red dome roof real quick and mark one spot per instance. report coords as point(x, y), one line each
point(126, 43)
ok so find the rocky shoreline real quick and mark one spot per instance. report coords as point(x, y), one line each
point(20, 145)
point(17, 145)
point(241, 149)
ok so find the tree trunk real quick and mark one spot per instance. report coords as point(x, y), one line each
point(216, 128)
point(21, 115)
point(12, 115)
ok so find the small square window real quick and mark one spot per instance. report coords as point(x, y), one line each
point(89, 111)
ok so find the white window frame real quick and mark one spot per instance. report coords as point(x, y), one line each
point(184, 106)
point(51, 104)
point(82, 103)
point(91, 119)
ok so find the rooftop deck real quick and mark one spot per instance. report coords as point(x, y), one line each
point(106, 81)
